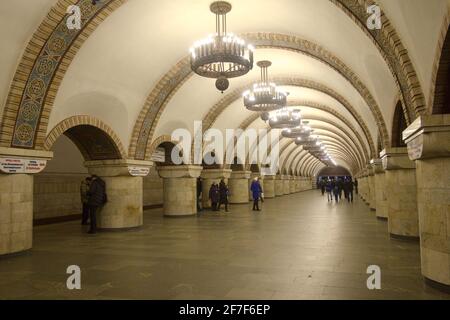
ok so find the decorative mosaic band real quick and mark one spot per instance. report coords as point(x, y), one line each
point(43, 72)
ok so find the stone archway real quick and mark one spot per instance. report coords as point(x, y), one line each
point(441, 95)
point(398, 126)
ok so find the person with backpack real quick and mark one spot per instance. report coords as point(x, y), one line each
point(223, 195)
point(96, 199)
point(329, 189)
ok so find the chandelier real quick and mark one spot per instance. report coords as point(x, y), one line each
point(303, 131)
point(221, 56)
point(285, 118)
point(265, 96)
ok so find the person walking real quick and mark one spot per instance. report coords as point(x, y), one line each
point(340, 184)
point(336, 192)
point(346, 187)
point(84, 188)
point(350, 190)
point(322, 185)
point(223, 195)
point(96, 199)
point(329, 190)
point(256, 193)
point(356, 186)
point(214, 196)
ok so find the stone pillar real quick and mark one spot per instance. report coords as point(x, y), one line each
point(292, 184)
point(401, 190)
point(124, 189)
point(210, 176)
point(428, 140)
point(269, 187)
point(371, 188)
point(238, 184)
point(279, 185)
point(380, 189)
point(180, 189)
point(17, 167)
point(297, 184)
point(286, 184)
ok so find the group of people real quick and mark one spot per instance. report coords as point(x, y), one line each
point(335, 187)
point(93, 197)
point(219, 193)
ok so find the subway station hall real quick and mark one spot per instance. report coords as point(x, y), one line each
point(225, 150)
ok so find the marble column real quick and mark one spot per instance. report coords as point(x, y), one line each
point(124, 189)
point(210, 176)
point(380, 189)
point(401, 190)
point(428, 140)
point(371, 188)
point(279, 185)
point(286, 184)
point(297, 184)
point(292, 184)
point(16, 197)
point(269, 187)
point(180, 189)
point(238, 185)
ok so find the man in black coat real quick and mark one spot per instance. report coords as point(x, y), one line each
point(223, 195)
point(96, 199)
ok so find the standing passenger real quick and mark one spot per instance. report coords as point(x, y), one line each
point(214, 196)
point(223, 195)
point(84, 188)
point(256, 193)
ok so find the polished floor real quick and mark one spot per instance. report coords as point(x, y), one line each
point(299, 247)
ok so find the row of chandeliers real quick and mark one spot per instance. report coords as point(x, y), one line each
point(223, 56)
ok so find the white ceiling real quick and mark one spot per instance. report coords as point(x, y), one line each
point(121, 62)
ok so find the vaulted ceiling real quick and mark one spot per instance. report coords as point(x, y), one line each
point(345, 78)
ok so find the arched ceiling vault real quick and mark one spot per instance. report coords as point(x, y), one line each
point(31, 134)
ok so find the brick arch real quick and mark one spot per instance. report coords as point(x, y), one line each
point(169, 84)
point(361, 147)
point(25, 118)
point(439, 98)
point(219, 107)
point(394, 53)
point(399, 124)
point(388, 42)
point(117, 149)
point(346, 136)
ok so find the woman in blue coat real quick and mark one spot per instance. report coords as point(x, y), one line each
point(256, 192)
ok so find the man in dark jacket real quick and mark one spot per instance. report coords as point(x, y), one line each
point(223, 195)
point(356, 185)
point(199, 193)
point(96, 199)
point(214, 196)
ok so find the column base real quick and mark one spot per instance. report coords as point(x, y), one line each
point(404, 238)
point(437, 285)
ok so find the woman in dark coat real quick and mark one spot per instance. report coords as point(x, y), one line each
point(214, 196)
point(223, 195)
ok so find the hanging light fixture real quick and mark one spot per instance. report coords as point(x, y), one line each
point(221, 56)
point(285, 118)
point(303, 131)
point(265, 96)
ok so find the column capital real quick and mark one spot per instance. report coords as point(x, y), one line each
point(396, 158)
point(377, 166)
point(119, 167)
point(182, 171)
point(370, 171)
point(240, 175)
point(216, 173)
point(256, 175)
point(24, 161)
point(428, 137)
